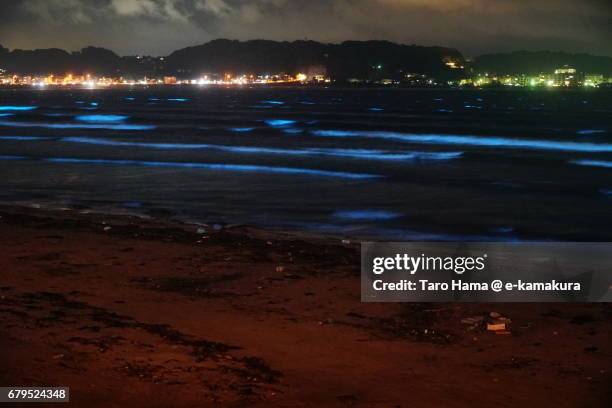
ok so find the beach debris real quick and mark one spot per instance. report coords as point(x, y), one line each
point(280, 268)
point(472, 320)
point(107, 228)
point(493, 321)
point(498, 323)
point(346, 241)
point(496, 326)
point(201, 230)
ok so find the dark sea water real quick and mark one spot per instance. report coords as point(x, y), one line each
point(385, 163)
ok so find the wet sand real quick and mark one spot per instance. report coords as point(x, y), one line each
point(132, 312)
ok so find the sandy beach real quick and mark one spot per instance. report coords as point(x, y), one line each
point(133, 312)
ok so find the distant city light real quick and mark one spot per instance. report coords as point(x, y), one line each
point(563, 77)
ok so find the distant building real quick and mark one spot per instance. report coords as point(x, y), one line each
point(170, 80)
point(566, 76)
point(316, 73)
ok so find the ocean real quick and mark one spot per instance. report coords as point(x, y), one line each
point(392, 164)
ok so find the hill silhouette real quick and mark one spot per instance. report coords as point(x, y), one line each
point(359, 59)
point(350, 59)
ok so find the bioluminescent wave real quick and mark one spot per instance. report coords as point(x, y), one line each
point(177, 99)
point(503, 230)
point(101, 118)
point(4, 115)
point(243, 168)
point(280, 122)
point(22, 138)
point(17, 108)
point(367, 215)
point(365, 154)
point(241, 129)
point(293, 131)
point(593, 163)
point(465, 140)
point(273, 102)
point(5, 157)
point(109, 126)
point(590, 131)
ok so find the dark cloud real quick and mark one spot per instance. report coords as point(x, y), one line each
point(160, 26)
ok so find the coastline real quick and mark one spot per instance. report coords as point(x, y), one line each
point(139, 312)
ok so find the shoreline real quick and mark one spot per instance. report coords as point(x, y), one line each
point(139, 312)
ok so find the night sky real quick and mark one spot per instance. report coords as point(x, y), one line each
point(158, 27)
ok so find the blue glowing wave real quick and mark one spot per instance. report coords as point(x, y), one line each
point(242, 129)
point(78, 126)
point(22, 138)
point(218, 166)
point(101, 118)
point(590, 131)
point(347, 153)
point(484, 141)
point(367, 215)
point(17, 108)
point(177, 99)
point(593, 163)
point(279, 122)
point(4, 115)
point(292, 131)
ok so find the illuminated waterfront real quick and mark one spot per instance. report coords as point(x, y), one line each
point(564, 77)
